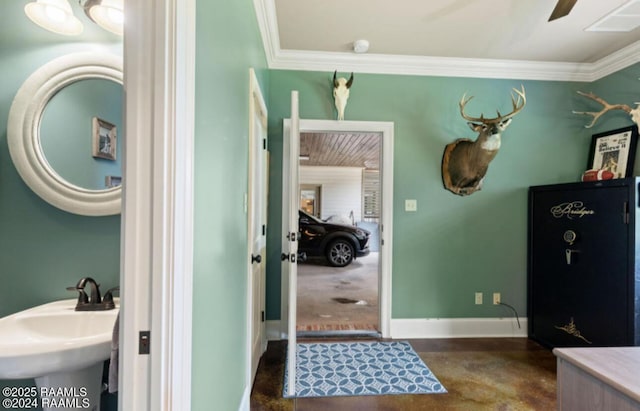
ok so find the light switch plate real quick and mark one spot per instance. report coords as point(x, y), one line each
point(410, 205)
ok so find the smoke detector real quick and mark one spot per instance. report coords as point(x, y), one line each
point(361, 46)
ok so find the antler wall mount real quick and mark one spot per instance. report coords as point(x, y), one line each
point(634, 113)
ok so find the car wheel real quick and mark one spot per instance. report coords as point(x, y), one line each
point(340, 253)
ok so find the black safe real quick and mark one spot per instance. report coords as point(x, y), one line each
point(583, 264)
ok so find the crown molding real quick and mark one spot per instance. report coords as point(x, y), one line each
point(280, 59)
point(616, 61)
point(429, 66)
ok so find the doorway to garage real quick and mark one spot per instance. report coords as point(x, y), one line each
point(340, 200)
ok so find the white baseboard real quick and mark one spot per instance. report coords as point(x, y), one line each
point(439, 328)
point(245, 405)
point(457, 328)
point(273, 331)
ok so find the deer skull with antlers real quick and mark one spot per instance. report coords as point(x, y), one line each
point(633, 112)
point(465, 162)
point(341, 88)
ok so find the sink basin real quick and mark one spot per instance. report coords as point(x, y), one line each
point(53, 338)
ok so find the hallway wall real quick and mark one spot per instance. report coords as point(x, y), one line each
point(227, 45)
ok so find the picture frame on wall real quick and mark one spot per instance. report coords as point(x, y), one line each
point(614, 151)
point(104, 139)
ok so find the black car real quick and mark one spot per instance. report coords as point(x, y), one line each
point(339, 243)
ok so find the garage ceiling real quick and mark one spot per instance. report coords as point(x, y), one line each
point(341, 150)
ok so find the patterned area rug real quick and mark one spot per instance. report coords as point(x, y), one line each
point(360, 368)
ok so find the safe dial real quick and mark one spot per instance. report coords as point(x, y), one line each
point(569, 236)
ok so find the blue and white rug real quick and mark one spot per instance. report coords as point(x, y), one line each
point(360, 368)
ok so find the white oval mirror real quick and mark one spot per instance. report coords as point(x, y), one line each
point(24, 135)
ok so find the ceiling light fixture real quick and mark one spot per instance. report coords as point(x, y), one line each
point(55, 16)
point(108, 14)
point(304, 157)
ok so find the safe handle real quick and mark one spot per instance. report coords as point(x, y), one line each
point(568, 254)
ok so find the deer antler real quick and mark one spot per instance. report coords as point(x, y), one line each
point(606, 107)
point(518, 105)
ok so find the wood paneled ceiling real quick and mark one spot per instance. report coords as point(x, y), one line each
point(341, 149)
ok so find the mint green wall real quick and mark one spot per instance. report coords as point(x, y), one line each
point(452, 246)
point(43, 249)
point(228, 43)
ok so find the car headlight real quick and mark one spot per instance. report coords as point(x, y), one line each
point(361, 235)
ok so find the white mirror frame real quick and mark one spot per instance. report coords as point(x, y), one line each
point(23, 132)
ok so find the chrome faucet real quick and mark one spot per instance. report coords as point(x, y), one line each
point(93, 302)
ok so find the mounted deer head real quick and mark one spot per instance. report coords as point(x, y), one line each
point(465, 161)
point(633, 112)
point(341, 88)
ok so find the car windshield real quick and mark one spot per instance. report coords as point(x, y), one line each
point(309, 216)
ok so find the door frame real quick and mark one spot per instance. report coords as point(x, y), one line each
point(156, 269)
point(386, 225)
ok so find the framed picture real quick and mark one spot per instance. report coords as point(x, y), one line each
point(112, 181)
point(104, 139)
point(614, 151)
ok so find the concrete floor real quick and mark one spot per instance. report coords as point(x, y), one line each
point(332, 298)
point(480, 374)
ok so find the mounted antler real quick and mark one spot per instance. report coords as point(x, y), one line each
point(633, 112)
point(465, 162)
point(518, 105)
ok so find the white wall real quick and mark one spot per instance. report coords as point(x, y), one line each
point(341, 189)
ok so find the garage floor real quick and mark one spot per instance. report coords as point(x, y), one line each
point(331, 298)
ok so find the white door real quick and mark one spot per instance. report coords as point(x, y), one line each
point(290, 234)
point(257, 219)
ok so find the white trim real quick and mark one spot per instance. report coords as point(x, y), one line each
point(268, 24)
point(616, 61)
point(157, 250)
point(278, 58)
point(274, 330)
point(429, 66)
point(386, 250)
point(245, 403)
point(458, 328)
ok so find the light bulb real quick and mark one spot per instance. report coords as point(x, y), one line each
point(54, 13)
point(108, 14)
point(55, 16)
point(115, 15)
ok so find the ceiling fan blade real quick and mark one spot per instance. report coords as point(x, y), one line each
point(563, 7)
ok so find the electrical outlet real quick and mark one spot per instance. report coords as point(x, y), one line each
point(496, 298)
point(410, 205)
point(478, 298)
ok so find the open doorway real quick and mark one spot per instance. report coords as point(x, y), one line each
point(340, 202)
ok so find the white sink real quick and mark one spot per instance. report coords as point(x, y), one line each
point(53, 338)
point(56, 345)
